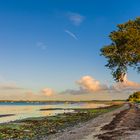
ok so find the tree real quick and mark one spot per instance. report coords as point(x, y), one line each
point(135, 97)
point(124, 51)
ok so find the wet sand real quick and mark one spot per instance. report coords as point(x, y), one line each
point(120, 124)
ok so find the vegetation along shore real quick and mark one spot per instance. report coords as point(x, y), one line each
point(37, 128)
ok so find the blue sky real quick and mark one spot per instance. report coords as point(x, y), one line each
point(53, 43)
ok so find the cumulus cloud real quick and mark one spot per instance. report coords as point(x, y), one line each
point(48, 92)
point(10, 90)
point(126, 85)
point(90, 84)
point(75, 18)
point(87, 87)
point(87, 84)
point(71, 34)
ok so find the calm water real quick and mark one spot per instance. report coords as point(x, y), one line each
point(26, 110)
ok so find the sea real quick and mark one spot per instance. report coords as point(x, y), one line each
point(11, 111)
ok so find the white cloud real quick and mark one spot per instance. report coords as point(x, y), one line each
point(48, 92)
point(75, 92)
point(90, 84)
point(9, 86)
point(41, 45)
point(11, 91)
point(76, 18)
point(71, 34)
point(126, 85)
point(87, 87)
point(87, 84)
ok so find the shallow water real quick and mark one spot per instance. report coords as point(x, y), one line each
point(27, 110)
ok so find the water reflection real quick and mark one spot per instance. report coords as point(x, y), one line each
point(26, 111)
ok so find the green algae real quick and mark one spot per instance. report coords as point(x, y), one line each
point(35, 128)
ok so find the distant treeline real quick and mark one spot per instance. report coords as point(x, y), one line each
point(50, 101)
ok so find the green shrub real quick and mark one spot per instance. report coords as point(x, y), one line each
point(135, 97)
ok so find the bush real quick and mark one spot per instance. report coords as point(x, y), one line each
point(135, 97)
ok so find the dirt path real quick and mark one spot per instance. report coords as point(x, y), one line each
point(125, 126)
point(90, 130)
point(121, 124)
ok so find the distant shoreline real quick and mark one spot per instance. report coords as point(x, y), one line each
point(6, 115)
point(53, 101)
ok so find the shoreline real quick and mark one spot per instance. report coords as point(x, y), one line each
point(88, 130)
point(125, 125)
point(6, 115)
point(38, 128)
point(120, 124)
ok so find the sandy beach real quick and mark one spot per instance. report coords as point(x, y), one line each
point(116, 122)
point(56, 127)
point(121, 124)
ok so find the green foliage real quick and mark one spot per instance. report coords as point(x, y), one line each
point(124, 51)
point(135, 97)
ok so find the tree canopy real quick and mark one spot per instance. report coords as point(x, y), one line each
point(135, 97)
point(124, 50)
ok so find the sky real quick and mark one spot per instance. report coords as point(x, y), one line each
point(50, 49)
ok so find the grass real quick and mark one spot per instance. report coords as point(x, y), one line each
point(35, 128)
